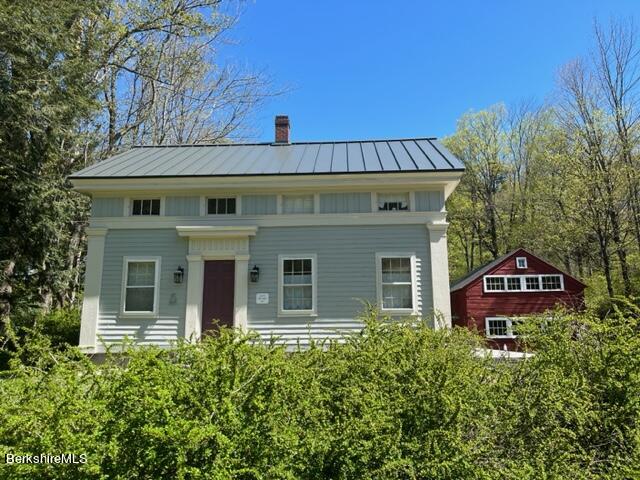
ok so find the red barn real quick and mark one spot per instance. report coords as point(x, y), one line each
point(493, 297)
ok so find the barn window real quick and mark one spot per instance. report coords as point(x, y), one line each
point(396, 274)
point(551, 282)
point(494, 283)
point(514, 284)
point(501, 327)
point(532, 282)
point(521, 262)
point(526, 283)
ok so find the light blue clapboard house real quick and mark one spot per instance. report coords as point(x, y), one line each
point(285, 239)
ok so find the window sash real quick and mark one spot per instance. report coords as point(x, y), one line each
point(222, 206)
point(139, 295)
point(396, 282)
point(506, 325)
point(297, 284)
point(521, 262)
point(528, 283)
point(145, 206)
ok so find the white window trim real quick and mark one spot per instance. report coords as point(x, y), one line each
point(509, 321)
point(414, 283)
point(314, 286)
point(156, 286)
point(524, 265)
point(128, 206)
point(523, 283)
point(204, 206)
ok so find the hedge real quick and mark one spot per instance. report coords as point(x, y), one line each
point(396, 401)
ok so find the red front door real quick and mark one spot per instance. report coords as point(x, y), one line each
point(217, 295)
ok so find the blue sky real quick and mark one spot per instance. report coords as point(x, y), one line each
point(376, 69)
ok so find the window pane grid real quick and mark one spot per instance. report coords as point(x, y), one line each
point(297, 288)
point(551, 282)
point(503, 326)
point(140, 286)
point(526, 283)
point(146, 206)
point(397, 291)
point(221, 206)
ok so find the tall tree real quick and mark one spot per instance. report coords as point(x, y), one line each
point(47, 90)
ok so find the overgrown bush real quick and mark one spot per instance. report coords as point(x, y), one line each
point(398, 401)
point(30, 330)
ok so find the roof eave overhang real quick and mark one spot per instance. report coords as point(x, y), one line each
point(448, 180)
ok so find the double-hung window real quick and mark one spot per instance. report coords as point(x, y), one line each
point(140, 285)
point(297, 280)
point(396, 282)
point(145, 206)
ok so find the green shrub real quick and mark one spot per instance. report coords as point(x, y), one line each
point(33, 332)
point(397, 401)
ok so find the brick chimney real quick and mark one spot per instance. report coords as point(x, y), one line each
point(282, 129)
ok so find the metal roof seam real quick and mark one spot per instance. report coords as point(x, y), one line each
point(441, 154)
point(315, 161)
point(393, 154)
point(378, 155)
point(410, 156)
point(168, 161)
point(364, 164)
point(333, 150)
point(199, 155)
point(118, 159)
point(304, 151)
point(346, 148)
point(426, 156)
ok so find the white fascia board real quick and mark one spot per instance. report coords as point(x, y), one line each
point(241, 225)
point(271, 183)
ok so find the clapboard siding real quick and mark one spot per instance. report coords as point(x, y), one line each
point(345, 202)
point(169, 325)
point(182, 206)
point(107, 207)
point(259, 204)
point(346, 274)
point(429, 201)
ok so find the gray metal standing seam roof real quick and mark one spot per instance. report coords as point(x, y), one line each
point(303, 158)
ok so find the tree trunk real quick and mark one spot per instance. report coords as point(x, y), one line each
point(606, 261)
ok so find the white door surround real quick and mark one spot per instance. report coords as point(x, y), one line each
point(215, 243)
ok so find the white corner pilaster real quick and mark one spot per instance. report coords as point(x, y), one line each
point(440, 274)
point(241, 295)
point(92, 284)
point(195, 279)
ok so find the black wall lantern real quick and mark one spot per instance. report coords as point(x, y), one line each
point(255, 274)
point(178, 275)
